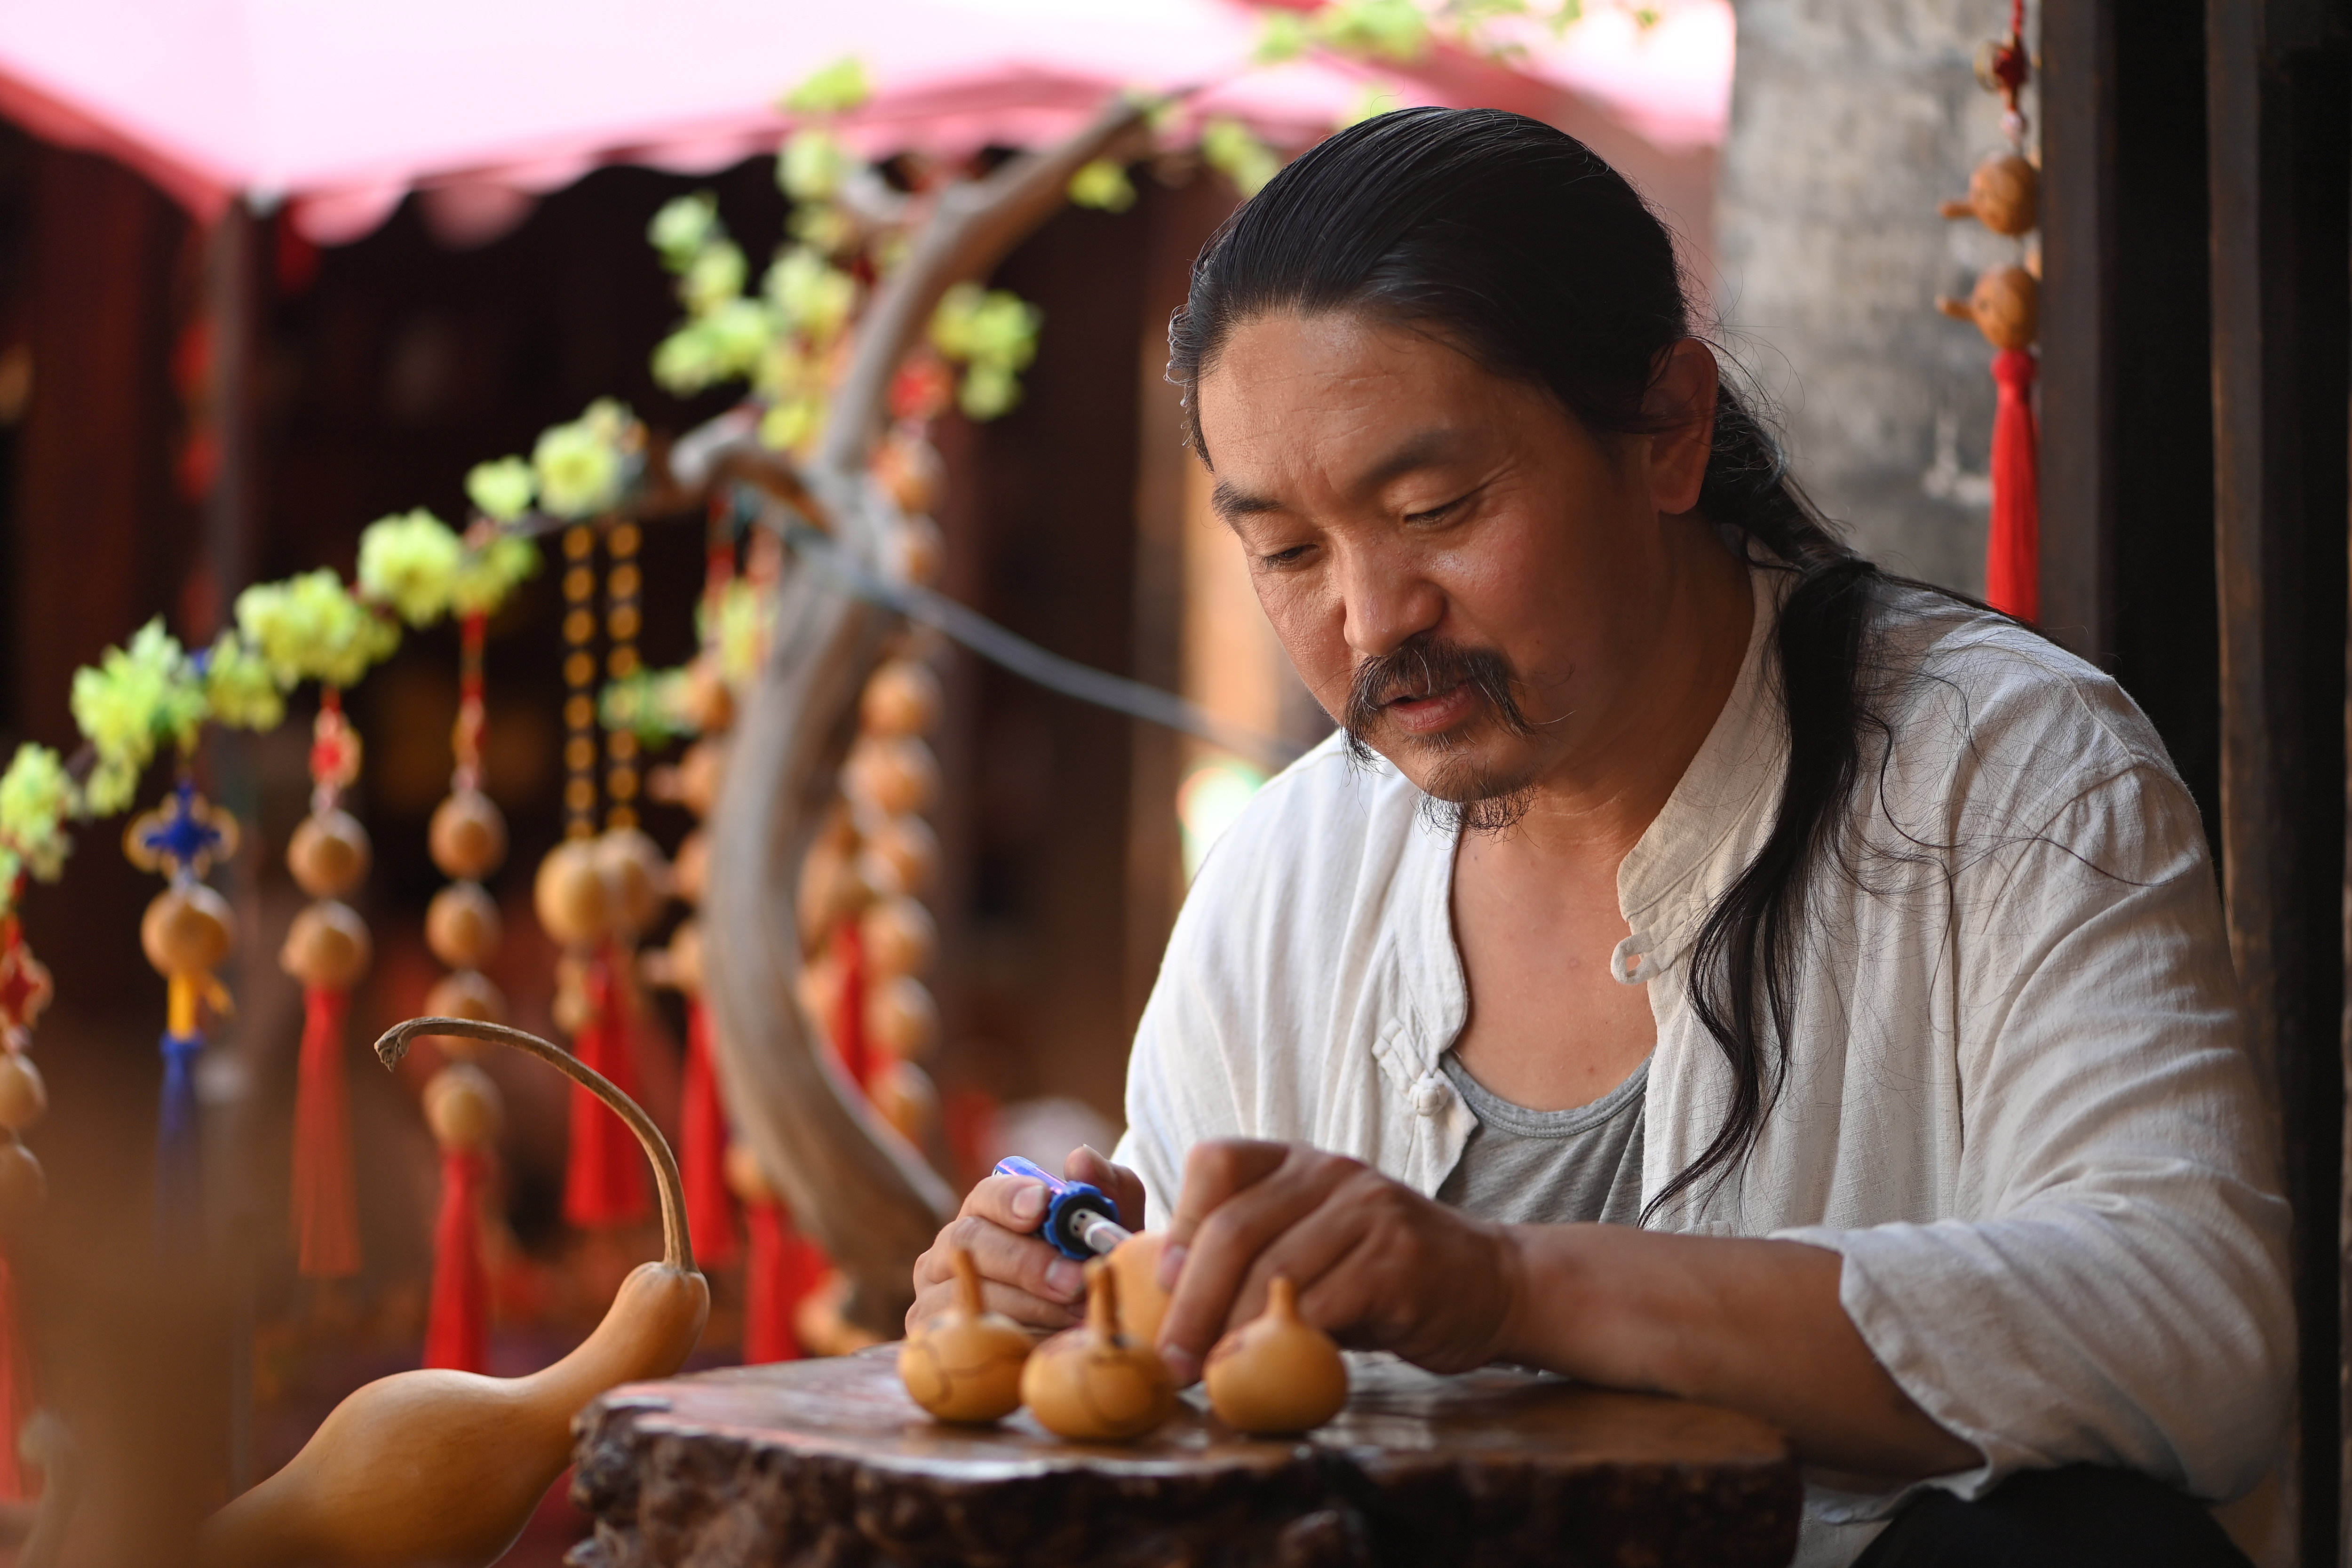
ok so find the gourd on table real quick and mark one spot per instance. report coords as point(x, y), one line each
point(965, 1364)
point(445, 1466)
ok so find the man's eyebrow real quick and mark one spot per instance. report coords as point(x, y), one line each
point(1416, 451)
point(1233, 504)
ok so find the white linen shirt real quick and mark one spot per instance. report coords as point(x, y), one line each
point(2018, 1101)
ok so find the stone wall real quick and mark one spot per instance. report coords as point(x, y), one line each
point(1851, 119)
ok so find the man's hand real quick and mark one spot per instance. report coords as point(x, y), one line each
point(1020, 1276)
point(1377, 1265)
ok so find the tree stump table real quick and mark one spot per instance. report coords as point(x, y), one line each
point(827, 1464)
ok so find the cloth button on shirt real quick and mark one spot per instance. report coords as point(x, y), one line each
point(2017, 1103)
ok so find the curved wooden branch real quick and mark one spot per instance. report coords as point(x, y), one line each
point(861, 1191)
point(969, 231)
point(677, 1242)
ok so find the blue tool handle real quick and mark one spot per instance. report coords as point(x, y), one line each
point(1068, 1200)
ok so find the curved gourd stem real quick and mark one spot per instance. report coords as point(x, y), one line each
point(677, 1245)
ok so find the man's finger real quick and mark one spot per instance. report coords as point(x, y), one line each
point(1016, 1203)
point(1225, 1246)
point(1123, 1186)
point(1028, 1310)
point(1213, 1172)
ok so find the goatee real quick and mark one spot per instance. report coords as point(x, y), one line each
point(1461, 796)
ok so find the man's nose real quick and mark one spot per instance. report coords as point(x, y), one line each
point(1385, 605)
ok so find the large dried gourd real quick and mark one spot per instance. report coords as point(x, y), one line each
point(444, 1466)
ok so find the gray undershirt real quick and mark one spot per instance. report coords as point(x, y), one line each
point(1549, 1167)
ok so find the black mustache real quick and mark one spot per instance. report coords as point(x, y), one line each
point(1424, 667)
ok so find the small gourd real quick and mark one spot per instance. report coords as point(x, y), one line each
point(906, 1098)
point(899, 936)
point(901, 1018)
point(327, 947)
point(569, 894)
point(445, 1466)
point(894, 775)
point(466, 994)
point(2004, 195)
point(24, 1099)
point(186, 929)
point(901, 856)
point(1093, 1385)
point(328, 854)
point(1276, 1373)
point(467, 836)
point(965, 1364)
point(902, 698)
point(2005, 305)
point(636, 879)
point(463, 1107)
point(1142, 1302)
point(462, 926)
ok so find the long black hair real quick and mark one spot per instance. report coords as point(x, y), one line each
point(1528, 252)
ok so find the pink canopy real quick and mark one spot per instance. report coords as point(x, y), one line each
point(344, 106)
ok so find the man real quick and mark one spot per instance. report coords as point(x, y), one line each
point(1706, 965)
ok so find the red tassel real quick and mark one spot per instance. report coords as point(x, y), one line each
point(457, 1324)
point(16, 1401)
point(326, 1203)
point(849, 1010)
point(784, 1266)
point(604, 1180)
point(702, 1145)
point(2013, 553)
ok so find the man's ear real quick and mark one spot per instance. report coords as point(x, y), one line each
point(1681, 400)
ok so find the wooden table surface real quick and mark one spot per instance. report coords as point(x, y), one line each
point(829, 1463)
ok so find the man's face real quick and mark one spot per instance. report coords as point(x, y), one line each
point(1462, 574)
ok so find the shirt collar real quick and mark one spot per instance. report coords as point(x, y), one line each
point(1719, 814)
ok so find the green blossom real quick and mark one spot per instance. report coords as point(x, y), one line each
point(650, 704)
point(836, 89)
point(1282, 35)
point(682, 228)
point(792, 423)
point(36, 796)
point(580, 466)
point(1383, 30)
point(745, 618)
point(238, 684)
point(827, 229)
point(486, 575)
point(310, 629)
point(408, 562)
point(1104, 185)
point(501, 490)
point(813, 165)
point(810, 296)
point(726, 343)
point(987, 391)
point(1241, 157)
point(714, 277)
point(134, 700)
point(994, 333)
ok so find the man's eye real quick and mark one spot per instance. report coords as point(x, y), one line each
point(1289, 557)
point(1436, 513)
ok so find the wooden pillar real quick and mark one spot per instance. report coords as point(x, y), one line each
point(2078, 218)
point(2279, 122)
